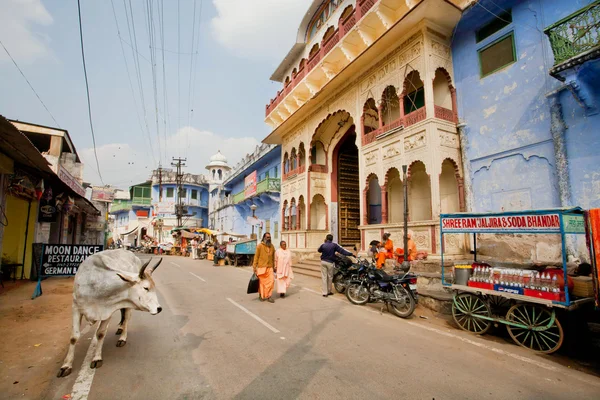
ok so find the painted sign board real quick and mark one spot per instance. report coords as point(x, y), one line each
point(62, 260)
point(70, 181)
point(250, 185)
point(103, 194)
point(573, 223)
point(538, 223)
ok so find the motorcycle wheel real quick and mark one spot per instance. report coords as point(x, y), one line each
point(405, 306)
point(357, 294)
point(338, 283)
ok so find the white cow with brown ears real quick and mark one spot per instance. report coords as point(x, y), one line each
point(106, 282)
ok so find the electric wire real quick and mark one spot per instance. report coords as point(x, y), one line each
point(131, 84)
point(151, 30)
point(196, 62)
point(87, 90)
point(166, 116)
point(190, 79)
point(29, 83)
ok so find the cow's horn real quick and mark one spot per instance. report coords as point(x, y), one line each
point(156, 266)
point(143, 270)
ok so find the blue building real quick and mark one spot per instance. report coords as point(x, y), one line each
point(526, 75)
point(165, 196)
point(131, 211)
point(247, 200)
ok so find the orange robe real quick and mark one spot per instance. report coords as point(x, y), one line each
point(388, 254)
point(412, 250)
point(264, 261)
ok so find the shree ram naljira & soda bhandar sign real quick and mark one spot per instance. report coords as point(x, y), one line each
point(543, 223)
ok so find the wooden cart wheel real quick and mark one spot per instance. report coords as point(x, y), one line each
point(530, 316)
point(498, 302)
point(467, 309)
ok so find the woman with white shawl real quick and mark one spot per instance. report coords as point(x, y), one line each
point(283, 268)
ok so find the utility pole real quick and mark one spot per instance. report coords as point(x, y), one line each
point(160, 170)
point(179, 211)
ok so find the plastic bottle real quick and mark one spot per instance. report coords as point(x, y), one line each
point(521, 279)
point(555, 288)
point(502, 277)
point(490, 276)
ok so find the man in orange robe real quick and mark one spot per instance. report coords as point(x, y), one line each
point(412, 248)
point(264, 262)
point(388, 245)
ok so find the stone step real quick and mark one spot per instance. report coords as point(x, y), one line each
point(436, 300)
point(307, 269)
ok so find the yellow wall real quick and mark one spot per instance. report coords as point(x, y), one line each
point(14, 232)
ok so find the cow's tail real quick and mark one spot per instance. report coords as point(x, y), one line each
point(122, 316)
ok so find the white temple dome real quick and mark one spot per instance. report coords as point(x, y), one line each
point(218, 160)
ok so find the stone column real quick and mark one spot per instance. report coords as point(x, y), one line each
point(401, 103)
point(467, 184)
point(454, 103)
point(380, 113)
point(384, 205)
point(366, 206)
point(298, 216)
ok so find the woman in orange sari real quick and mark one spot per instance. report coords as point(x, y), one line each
point(387, 252)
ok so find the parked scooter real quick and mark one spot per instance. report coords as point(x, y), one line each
point(397, 291)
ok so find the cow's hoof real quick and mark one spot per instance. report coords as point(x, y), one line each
point(119, 331)
point(64, 371)
point(121, 343)
point(96, 364)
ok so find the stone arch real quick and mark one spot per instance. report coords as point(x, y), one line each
point(314, 51)
point(287, 81)
point(293, 159)
point(413, 92)
point(348, 11)
point(286, 163)
point(301, 207)
point(370, 117)
point(395, 195)
point(390, 105)
point(419, 192)
point(302, 64)
point(318, 155)
point(318, 213)
point(294, 73)
point(444, 96)
point(293, 215)
point(301, 155)
point(451, 186)
point(328, 34)
point(284, 216)
point(344, 119)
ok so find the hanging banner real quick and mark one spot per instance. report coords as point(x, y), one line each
point(103, 194)
point(250, 185)
point(70, 181)
point(539, 223)
point(48, 210)
point(62, 260)
point(594, 222)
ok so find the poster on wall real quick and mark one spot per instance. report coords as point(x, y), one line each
point(103, 194)
point(62, 260)
point(250, 185)
point(48, 211)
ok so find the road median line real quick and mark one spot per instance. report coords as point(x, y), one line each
point(256, 317)
point(202, 279)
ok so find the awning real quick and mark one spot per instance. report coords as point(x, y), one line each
point(130, 229)
point(236, 235)
point(189, 235)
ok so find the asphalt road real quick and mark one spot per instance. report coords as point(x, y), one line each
point(213, 341)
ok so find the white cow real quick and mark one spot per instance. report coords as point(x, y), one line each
point(105, 282)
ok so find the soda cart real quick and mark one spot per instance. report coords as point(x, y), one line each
point(531, 295)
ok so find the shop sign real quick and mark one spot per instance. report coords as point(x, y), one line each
point(573, 223)
point(94, 225)
point(250, 185)
point(165, 207)
point(539, 223)
point(142, 213)
point(70, 181)
point(48, 210)
point(103, 194)
point(62, 260)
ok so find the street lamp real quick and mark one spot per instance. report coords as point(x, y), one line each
point(405, 263)
point(253, 208)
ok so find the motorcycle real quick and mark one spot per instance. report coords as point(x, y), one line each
point(397, 291)
point(345, 270)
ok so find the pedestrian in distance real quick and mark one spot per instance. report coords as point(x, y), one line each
point(328, 251)
point(264, 262)
point(283, 268)
point(194, 249)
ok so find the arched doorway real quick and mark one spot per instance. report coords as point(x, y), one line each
point(348, 192)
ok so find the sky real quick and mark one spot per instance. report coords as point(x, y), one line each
point(217, 81)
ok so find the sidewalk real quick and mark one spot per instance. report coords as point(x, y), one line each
point(34, 336)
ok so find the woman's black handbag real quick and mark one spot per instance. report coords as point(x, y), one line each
point(253, 284)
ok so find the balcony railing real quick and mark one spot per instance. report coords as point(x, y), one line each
point(444, 113)
point(141, 201)
point(297, 171)
point(268, 185)
point(121, 206)
point(344, 27)
point(406, 121)
point(575, 34)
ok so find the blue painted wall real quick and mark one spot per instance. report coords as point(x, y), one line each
point(201, 209)
point(507, 114)
point(267, 205)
